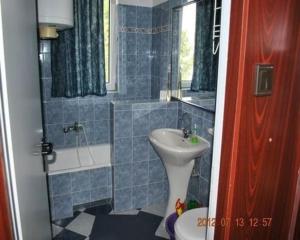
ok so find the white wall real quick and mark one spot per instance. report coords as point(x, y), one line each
point(220, 102)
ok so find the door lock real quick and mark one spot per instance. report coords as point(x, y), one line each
point(47, 153)
point(47, 148)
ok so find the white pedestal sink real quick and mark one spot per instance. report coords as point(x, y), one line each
point(177, 154)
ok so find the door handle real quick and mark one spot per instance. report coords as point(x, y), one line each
point(45, 149)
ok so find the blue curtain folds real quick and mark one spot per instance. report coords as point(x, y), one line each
point(78, 58)
point(205, 63)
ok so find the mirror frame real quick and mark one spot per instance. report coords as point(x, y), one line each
point(170, 76)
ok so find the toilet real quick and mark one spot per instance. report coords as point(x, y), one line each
point(186, 226)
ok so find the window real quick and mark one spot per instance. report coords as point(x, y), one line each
point(110, 43)
point(187, 44)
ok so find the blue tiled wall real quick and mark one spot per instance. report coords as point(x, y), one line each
point(143, 58)
point(160, 48)
point(162, 45)
point(139, 178)
point(76, 188)
point(92, 112)
point(134, 82)
point(189, 116)
point(135, 40)
point(139, 175)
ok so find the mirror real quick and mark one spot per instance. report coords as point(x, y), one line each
point(195, 44)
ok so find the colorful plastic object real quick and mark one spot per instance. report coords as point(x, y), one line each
point(170, 223)
point(179, 206)
point(192, 204)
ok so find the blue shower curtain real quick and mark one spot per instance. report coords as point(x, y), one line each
point(205, 63)
point(78, 65)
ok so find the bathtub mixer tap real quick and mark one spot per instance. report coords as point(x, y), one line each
point(76, 127)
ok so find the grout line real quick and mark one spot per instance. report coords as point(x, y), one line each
point(132, 158)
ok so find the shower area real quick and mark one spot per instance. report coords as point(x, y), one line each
point(103, 154)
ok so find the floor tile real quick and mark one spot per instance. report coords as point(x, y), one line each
point(161, 231)
point(158, 209)
point(56, 230)
point(82, 224)
point(129, 212)
point(66, 221)
point(100, 222)
point(82, 209)
point(105, 209)
point(126, 227)
point(69, 235)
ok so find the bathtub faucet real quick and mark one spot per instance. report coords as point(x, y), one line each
point(77, 127)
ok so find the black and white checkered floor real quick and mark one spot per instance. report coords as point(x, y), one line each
point(101, 223)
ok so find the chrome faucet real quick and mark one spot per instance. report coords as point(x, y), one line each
point(186, 133)
point(77, 127)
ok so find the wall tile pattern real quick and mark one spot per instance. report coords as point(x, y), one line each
point(139, 178)
point(135, 51)
point(188, 117)
point(143, 58)
point(162, 45)
point(75, 188)
point(134, 82)
point(139, 175)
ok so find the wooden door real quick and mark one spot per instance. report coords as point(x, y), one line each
point(260, 147)
point(5, 219)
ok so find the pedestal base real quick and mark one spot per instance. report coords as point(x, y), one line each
point(179, 177)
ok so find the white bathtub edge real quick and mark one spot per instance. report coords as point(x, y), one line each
point(67, 160)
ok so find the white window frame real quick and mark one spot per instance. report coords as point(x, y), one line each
point(113, 47)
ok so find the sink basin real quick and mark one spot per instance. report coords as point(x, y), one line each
point(172, 147)
point(178, 155)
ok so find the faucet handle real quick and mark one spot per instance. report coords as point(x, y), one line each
point(186, 132)
point(66, 129)
point(78, 127)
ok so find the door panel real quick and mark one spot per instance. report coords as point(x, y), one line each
point(5, 218)
point(259, 162)
point(22, 106)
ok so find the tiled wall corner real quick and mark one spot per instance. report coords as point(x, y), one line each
point(93, 111)
point(189, 116)
point(139, 175)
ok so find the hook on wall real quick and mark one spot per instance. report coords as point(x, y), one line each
point(216, 28)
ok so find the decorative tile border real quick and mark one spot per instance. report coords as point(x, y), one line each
point(165, 28)
point(155, 30)
point(135, 30)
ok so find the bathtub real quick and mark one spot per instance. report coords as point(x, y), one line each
point(72, 179)
point(68, 160)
